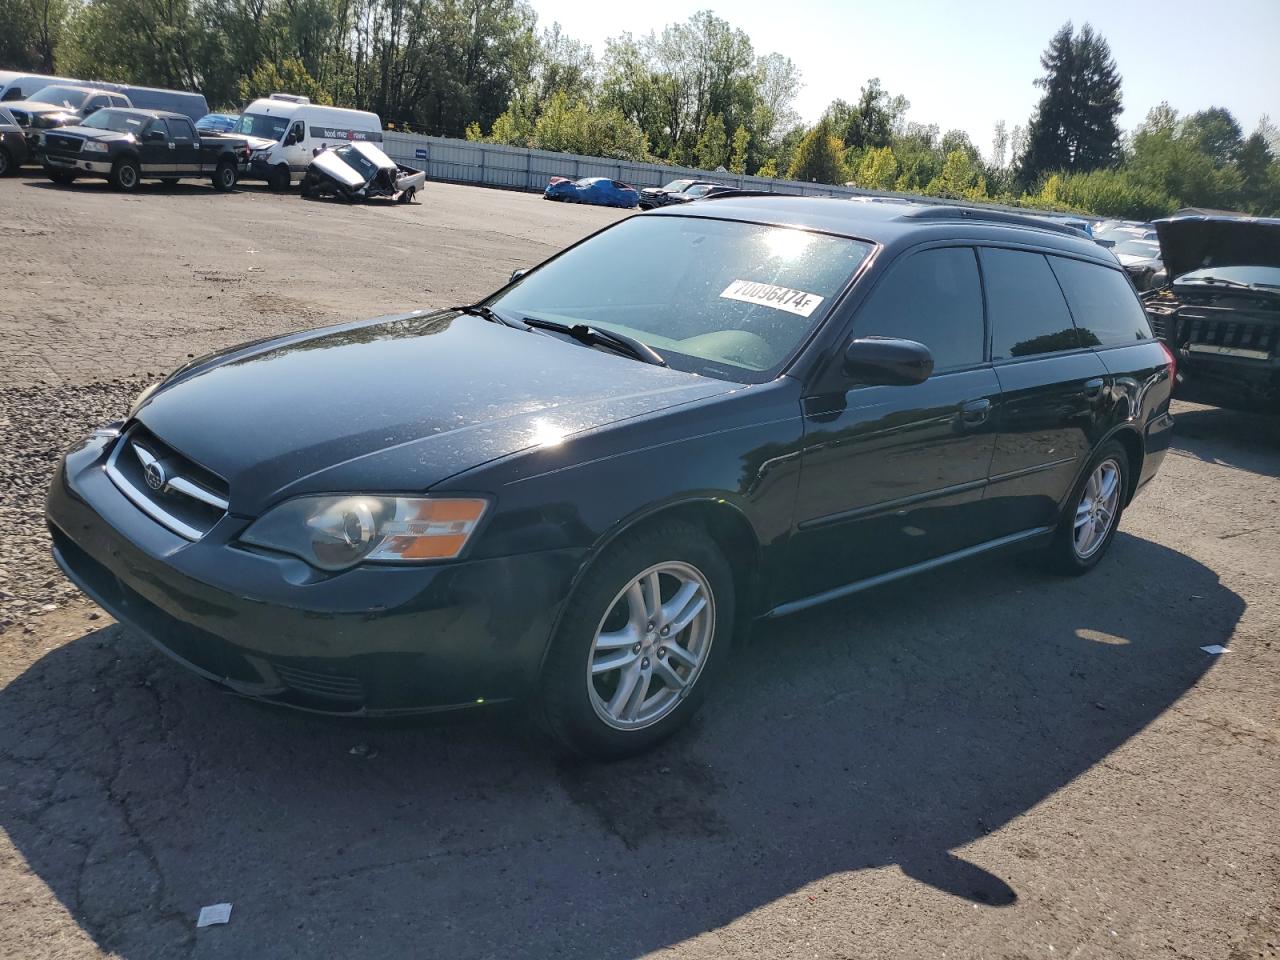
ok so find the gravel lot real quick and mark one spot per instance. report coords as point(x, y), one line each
point(984, 762)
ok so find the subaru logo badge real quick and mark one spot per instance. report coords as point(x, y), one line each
point(155, 475)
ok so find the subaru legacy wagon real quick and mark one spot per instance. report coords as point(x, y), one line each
point(575, 492)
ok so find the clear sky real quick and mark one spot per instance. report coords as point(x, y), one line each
point(969, 64)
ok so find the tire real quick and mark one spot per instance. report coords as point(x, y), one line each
point(60, 178)
point(408, 195)
point(1074, 550)
point(583, 699)
point(224, 177)
point(7, 165)
point(125, 176)
point(278, 179)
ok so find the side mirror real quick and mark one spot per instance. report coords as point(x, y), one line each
point(90, 111)
point(517, 274)
point(888, 361)
point(156, 136)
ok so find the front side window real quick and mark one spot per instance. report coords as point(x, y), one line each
point(1025, 305)
point(720, 298)
point(933, 297)
point(1106, 310)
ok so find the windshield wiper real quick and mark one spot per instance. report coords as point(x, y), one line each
point(1216, 281)
point(585, 333)
point(488, 313)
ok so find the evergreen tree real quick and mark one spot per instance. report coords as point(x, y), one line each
point(1074, 128)
point(818, 156)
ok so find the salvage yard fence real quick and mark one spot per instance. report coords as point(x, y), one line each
point(521, 168)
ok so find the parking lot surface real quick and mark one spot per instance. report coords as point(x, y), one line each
point(988, 761)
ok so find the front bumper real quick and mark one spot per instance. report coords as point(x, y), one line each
point(75, 164)
point(372, 640)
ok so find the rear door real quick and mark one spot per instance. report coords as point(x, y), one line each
point(894, 475)
point(1054, 391)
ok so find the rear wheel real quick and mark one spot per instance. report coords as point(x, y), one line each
point(1092, 516)
point(639, 642)
point(224, 177)
point(278, 178)
point(408, 195)
point(125, 176)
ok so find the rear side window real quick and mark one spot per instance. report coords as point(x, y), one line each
point(181, 128)
point(933, 297)
point(1105, 308)
point(1028, 314)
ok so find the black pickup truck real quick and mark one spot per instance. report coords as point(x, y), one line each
point(125, 147)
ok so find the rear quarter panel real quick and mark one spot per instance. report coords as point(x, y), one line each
point(1141, 388)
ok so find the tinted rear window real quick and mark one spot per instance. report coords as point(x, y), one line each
point(1025, 305)
point(1105, 308)
point(933, 297)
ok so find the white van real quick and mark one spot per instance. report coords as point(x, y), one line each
point(298, 128)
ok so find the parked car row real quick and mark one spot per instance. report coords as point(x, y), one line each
point(77, 130)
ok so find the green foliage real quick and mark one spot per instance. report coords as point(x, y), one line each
point(871, 121)
point(1075, 124)
point(741, 142)
point(768, 169)
point(1106, 193)
point(30, 32)
point(818, 156)
point(878, 169)
point(713, 144)
point(290, 76)
point(961, 178)
point(573, 126)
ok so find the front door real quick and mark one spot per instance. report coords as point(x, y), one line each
point(894, 475)
point(156, 150)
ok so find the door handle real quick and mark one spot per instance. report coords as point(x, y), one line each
point(1093, 388)
point(975, 411)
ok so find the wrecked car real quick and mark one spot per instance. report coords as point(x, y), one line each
point(360, 171)
point(598, 190)
point(1220, 310)
point(1141, 260)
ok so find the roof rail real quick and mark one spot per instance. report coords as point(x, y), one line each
point(948, 212)
point(735, 192)
point(291, 97)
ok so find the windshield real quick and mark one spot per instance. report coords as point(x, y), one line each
point(675, 186)
point(116, 120)
point(1264, 276)
point(720, 298)
point(69, 97)
point(260, 125)
point(357, 161)
point(1137, 248)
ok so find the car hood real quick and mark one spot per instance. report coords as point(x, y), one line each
point(396, 404)
point(95, 133)
point(1192, 242)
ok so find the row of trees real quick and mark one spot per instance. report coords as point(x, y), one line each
point(697, 94)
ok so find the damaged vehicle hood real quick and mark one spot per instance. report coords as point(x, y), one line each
point(1195, 242)
point(395, 404)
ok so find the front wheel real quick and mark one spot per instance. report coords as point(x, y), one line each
point(224, 177)
point(278, 179)
point(60, 178)
point(6, 163)
point(1092, 515)
point(125, 176)
point(639, 643)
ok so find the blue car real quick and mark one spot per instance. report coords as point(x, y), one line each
point(217, 123)
point(597, 190)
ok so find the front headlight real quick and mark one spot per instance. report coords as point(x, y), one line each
point(337, 532)
point(93, 146)
point(261, 154)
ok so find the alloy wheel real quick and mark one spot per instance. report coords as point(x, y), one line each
point(651, 646)
point(1096, 512)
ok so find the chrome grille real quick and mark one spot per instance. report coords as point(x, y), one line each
point(56, 141)
point(175, 492)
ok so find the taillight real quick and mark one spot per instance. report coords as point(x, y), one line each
point(1173, 362)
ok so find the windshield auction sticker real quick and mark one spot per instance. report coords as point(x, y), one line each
point(766, 294)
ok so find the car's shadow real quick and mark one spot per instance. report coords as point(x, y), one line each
point(887, 730)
